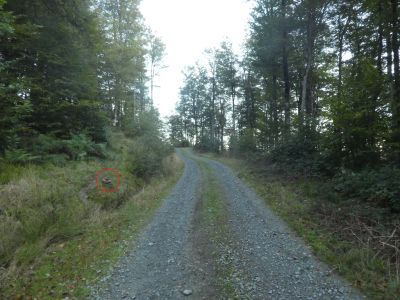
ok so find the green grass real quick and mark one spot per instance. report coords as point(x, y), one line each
point(296, 202)
point(67, 268)
point(51, 244)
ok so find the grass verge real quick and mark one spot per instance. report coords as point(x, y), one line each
point(52, 246)
point(295, 202)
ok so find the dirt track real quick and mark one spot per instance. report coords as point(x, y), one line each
point(246, 252)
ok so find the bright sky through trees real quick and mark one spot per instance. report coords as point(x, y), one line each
point(187, 27)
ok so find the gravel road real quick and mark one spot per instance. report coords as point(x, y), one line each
point(266, 260)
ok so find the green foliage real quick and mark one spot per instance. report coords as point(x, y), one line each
point(206, 143)
point(74, 263)
point(373, 187)
point(35, 209)
point(54, 150)
point(206, 97)
point(6, 21)
point(245, 144)
point(362, 126)
point(148, 124)
point(64, 71)
point(48, 149)
point(176, 132)
point(298, 156)
point(41, 205)
point(347, 235)
point(318, 96)
point(182, 143)
point(18, 156)
point(9, 171)
point(77, 147)
point(146, 155)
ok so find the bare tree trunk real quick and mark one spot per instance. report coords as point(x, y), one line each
point(342, 29)
point(275, 108)
point(380, 47)
point(194, 112)
point(152, 73)
point(213, 98)
point(233, 92)
point(307, 103)
point(285, 66)
point(396, 77)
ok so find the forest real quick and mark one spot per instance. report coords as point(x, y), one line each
point(309, 110)
point(70, 70)
point(313, 97)
point(316, 91)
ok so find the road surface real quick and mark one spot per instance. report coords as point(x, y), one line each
point(229, 245)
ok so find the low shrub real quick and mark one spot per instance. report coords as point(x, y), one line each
point(296, 157)
point(49, 149)
point(378, 187)
point(245, 144)
point(18, 156)
point(146, 156)
point(78, 146)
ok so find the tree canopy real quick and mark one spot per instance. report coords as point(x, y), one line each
point(317, 86)
point(72, 67)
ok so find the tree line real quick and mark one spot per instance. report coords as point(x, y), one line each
point(317, 86)
point(73, 67)
point(323, 71)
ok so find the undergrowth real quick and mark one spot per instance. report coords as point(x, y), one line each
point(52, 244)
point(355, 240)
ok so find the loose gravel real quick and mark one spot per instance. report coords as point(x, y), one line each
point(266, 259)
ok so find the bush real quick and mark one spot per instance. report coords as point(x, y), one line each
point(297, 156)
point(45, 144)
point(146, 156)
point(78, 146)
point(18, 156)
point(207, 144)
point(246, 143)
point(45, 148)
point(184, 143)
point(378, 187)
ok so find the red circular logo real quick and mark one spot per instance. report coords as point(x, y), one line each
point(105, 182)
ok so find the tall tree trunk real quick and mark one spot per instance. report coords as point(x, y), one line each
point(340, 67)
point(152, 73)
point(233, 93)
point(194, 112)
point(274, 108)
point(285, 71)
point(389, 56)
point(342, 29)
point(307, 101)
point(396, 77)
point(213, 98)
point(380, 44)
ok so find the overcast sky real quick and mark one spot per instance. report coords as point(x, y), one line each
point(187, 27)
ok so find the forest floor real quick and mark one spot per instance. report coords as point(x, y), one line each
point(214, 238)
